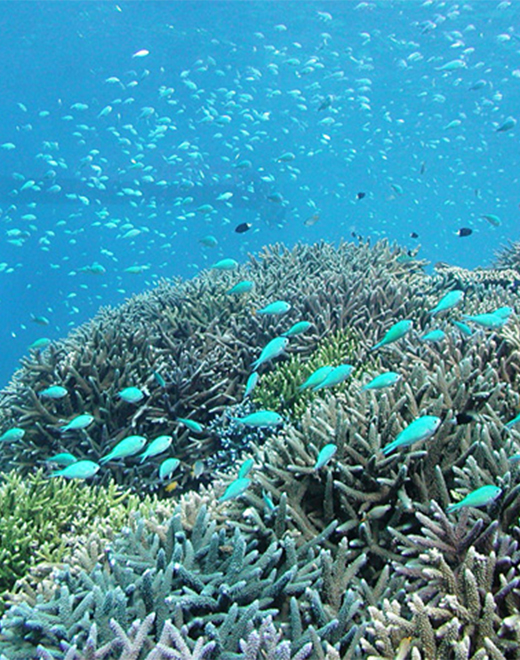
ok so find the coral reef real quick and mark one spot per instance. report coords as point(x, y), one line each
point(508, 256)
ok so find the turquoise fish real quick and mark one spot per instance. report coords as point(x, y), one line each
point(273, 349)
point(191, 424)
point(316, 377)
point(12, 435)
point(235, 489)
point(131, 394)
point(297, 329)
point(241, 287)
point(53, 392)
point(40, 344)
point(78, 470)
point(277, 307)
point(168, 467)
point(421, 428)
point(260, 419)
point(245, 468)
point(128, 446)
point(480, 497)
point(397, 331)
point(225, 264)
point(251, 383)
point(77, 423)
point(63, 459)
point(448, 301)
point(325, 455)
point(464, 328)
point(510, 423)
point(434, 335)
point(335, 377)
point(490, 321)
point(386, 379)
point(157, 446)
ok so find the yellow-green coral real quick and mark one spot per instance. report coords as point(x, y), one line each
point(278, 389)
point(37, 514)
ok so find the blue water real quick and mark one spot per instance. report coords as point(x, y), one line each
point(268, 66)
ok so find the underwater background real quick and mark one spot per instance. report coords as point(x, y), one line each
point(260, 348)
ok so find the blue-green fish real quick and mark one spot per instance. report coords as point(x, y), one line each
point(448, 301)
point(504, 312)
point(386, 379)
point(168, 467)
point(225, 264)
point(273, 349)
point(208, 241)
point(77, 423)
point(235, 489)
point(507, 125)
point(251, 383)
point(241, 287)
point(297, 329)
point(157, 446)
point(316, 377)
point(131, 395)
point(325, 455)
point(191, 424)
point(12, 435)
point(63, 459)
point(260, 419)
point(464, 328)
point(490, 321)
point(128, 446)
point(53, 392)
point(453, 65)
point(511, 422)
point(277, 307)
point(480, 497)
point(245, 468)
point(397, 331)
point(40, 344)
point(268, 500)
point(434, 335)
point(335, 377)
point(159, 379)
point(78, 470)
point(421, 428)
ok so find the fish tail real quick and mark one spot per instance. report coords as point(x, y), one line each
point(452, 507)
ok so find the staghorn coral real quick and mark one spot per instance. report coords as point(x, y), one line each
point(207, 582)
point(31, 536)
point(508, 256)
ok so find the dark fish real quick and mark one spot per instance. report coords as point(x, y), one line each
point(464, 231)
point(326, 103)
point(243, 227)
point(360, 195)
point(414, 235)
point(423, 167)
point(466, 417)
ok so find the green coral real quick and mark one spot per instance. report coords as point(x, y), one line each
point(278, 389)
point(37, 514)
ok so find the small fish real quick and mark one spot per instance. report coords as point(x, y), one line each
point(141, 53)
point(40, 344)
point(78, 470)
point(168, 467)
point(235, 489)
point(268, 500)
point(490, 321)
point(251, 383)
point(128, 446)
point(159, 379)
point(11, 435)
point(480, 497)
point(260, 419)
point(492, 219)
point(448, 301)
point(278, 307)
point(131, 395)
point(245, 468)
point(397, 331)
point(421, 428)
point(241, 287)
point(191, 424)
point(316, 377)
point(297, 329)
point(63, 459)
point(40, 320)
point(208, 241)
point(452, 66)
point(225, 264)
point(360, 195)
point(53, 392)
point(272, 350)
point(77, 423)
point(335, 377)
point(311, 220)
point(464, 231)
point(386, 379)
point(243, 227)
point(414, 234)
point(434, 336)
point(507, 125)
point(157, 446)
point(325, 455)
point(286, 157)
point(464, 328)
point(509, 424)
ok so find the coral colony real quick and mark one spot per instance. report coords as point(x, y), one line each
point(322, 463)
